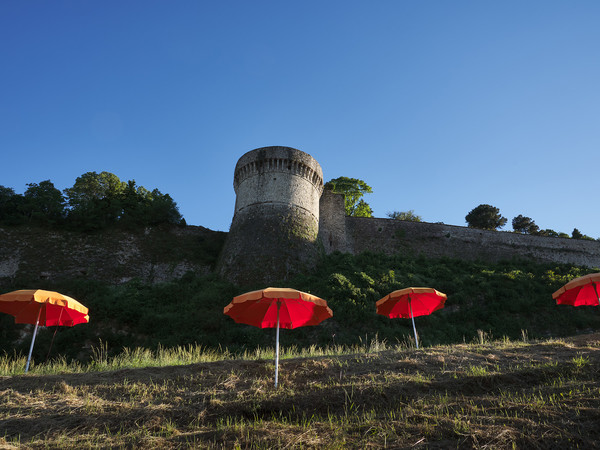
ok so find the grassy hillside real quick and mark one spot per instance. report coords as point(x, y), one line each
point(504, 394)
point(505, 299)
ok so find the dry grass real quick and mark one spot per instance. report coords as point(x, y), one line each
point(483, 395)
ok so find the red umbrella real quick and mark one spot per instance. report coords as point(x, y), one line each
point(579, 291)
point(278, 308)
point(411, 302)
point(45, 308)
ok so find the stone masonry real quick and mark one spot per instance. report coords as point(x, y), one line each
point(283, 221)
point(281, 209)
point(274, 229)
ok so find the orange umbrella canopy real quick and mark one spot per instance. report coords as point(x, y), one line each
point(422, 301)
point(259, 308)
point(579, 291)
point(410, 303)
point(51, 307)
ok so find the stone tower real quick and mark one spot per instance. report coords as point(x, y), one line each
point(274, 229)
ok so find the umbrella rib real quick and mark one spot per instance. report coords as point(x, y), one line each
point(301, 304)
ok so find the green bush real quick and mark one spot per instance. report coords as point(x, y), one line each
point(501, 299)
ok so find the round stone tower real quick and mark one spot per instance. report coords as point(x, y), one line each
point(274, 229)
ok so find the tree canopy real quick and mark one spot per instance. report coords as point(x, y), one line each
point(91, 187)
point(576, 234)
point(353, 190)
point(525, 225)
point(11, 207)
point(95, 201)
point(486, 217)
point(548, 233)
point(408, 216)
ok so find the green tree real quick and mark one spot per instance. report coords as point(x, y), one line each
point(101, 200)
point(353, 190)
point(486, 217)
point(547, 232)
point(43, 203)
point(92, 186)
point(11, 207)
point(95, 200)
point(163, 209)
point(142, 207)
point(408, 216)
point(134, 201)
point(362, 209)
point(576, 234)
point(526, 225)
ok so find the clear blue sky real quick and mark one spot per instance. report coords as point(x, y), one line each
point(438, 105)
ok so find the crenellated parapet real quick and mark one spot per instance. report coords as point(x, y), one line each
point(278, 176)
point(250, 168)
point(275, 225)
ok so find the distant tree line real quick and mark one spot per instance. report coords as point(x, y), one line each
point(488, 217)
point(96, 201)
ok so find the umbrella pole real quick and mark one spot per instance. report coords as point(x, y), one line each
point(277, 347)
point(54, 335)
point(413, 322)
point(37, 321)
point(596, 291)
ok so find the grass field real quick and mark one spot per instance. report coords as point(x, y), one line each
point(500, 394)
point(151, 370)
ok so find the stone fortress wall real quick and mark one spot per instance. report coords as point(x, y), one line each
point(274, 229)
point(293, 181)
point(283, 221)
point(278, 175)
point(440, 240)
point(359, 234)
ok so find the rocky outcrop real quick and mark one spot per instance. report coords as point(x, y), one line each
point(29, 254)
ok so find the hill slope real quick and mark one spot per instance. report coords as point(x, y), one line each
point(500, 299)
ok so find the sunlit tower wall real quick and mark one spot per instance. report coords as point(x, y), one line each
point(273, 234)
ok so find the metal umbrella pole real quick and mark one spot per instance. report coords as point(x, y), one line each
point(413, 321)
point(277, 346)
point(37, 321)
point(596, 291)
